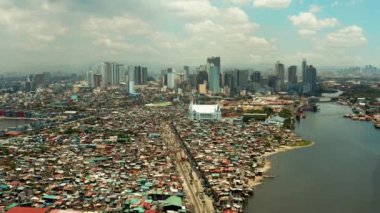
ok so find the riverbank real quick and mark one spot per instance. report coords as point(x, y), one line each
point(18, 118)
point(267, 164)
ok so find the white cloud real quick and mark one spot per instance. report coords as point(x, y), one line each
point(309, 23)
point(197, 9)
point(125, 24)
point(32, 26)
point(306, 32)
point(315, 8)
point(239, 2)
point(351, 36)
point(272, 3)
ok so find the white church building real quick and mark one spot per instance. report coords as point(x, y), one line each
point(204, 112)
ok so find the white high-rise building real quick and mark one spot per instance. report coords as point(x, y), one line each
point(131, 79)
point(90, 78)
point(171, 78)
point(111, 74)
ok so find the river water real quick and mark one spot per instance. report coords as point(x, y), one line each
point(6, 123)
point(340, 173)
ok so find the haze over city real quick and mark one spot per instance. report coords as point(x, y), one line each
point(44, 35)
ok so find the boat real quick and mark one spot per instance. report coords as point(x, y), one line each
point(355, 110)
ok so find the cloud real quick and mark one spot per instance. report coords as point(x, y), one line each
point(196, 9)
point(239, 2)
point(272, 3)
point(31, 26)
point(348, 37)
point(309, 23)
point(315, 8)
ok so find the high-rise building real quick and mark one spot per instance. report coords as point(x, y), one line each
point(215, 61)
point(187, 71)
point(144, 76)
point(214, 84)
point(230, 83)
point(256, 77)
point(304, 68)
point(111, 73)
point(280, 73)
point(39, 80)
point(90, 78)
point(141, 75)
point(170, 78)
point(97, 80)
point(272, 82)
point(312, 78)
point(292, 75)
point(241, 78)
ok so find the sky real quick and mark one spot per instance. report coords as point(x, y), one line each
point(76, 34)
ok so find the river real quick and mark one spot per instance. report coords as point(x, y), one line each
point(340, 173)
point(6, 123)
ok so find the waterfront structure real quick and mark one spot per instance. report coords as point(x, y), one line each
point(214, 84)
point(204, 112)
point(304, 68)
point(111, 74)
point(280, 73)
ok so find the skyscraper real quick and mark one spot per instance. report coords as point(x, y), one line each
point(304, 68)
point(90, 78)
point(256, 77)
point(215, 60)
point(39, 80)
point(214, 84)
point(97, 80)
point(280, 73)
point(241, 79)
point(170, 76)
point(111, 73)
point(144, 76)
point(141, 75)
point(187, 71)
point(312, 78)
point(292, 75)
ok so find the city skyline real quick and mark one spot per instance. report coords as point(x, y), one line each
point(53, 35)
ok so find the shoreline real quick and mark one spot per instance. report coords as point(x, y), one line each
point(268, 164)
point(18, 118)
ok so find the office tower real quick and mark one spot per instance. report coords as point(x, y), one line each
point(214, 84)
point(144, 76)
point(229, 82)
point(280, 73)
point(312, 78)
point(131, 79)
point(187, 71)
point(170, 78)
point(141, 75)
point(304, 68)
point(97, 80)
point(272, 82)
point(215, 61)
point(256, 77)
point(292, 75)
point(111, 74)
point(242, 78)
point(90, 78)
point(39, 80)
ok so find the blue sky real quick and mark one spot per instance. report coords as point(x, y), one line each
point(54, 34)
